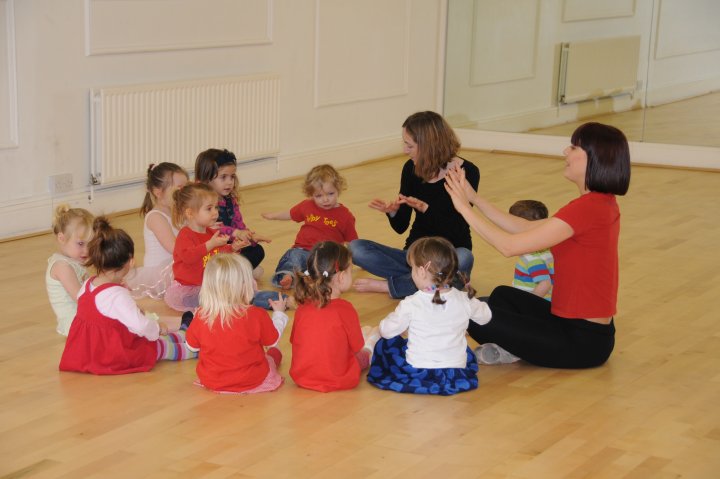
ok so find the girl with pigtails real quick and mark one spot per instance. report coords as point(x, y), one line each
point(329, 348)
point(435, 358)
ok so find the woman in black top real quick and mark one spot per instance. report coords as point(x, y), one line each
point(432, 147)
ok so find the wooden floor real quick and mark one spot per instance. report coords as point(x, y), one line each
point(653, 411)
point(695, 121)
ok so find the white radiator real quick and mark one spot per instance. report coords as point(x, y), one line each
point(598, 68)
point(134, 126)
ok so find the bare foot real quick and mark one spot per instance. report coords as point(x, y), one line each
point(258, 272)
point(286, 282)
point(368, 285)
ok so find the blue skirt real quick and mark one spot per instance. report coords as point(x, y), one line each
point(390, 370)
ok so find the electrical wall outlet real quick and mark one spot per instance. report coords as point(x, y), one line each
point(60, 184)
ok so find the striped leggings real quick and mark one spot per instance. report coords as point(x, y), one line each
point(173, 347)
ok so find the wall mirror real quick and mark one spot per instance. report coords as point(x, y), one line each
point(649, 67)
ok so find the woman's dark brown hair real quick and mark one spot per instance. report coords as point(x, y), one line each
point(436, 142)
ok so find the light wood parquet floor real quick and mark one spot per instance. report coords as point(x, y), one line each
point(695, 121)
point(650, 412)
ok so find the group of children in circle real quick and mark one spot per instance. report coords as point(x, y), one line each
point(204, 261)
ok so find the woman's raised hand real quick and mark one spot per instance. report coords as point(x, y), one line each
point(387, 208)
point(461, 192)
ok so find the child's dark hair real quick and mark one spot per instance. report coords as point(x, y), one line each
point(208, 163)
point(529, 209)
point(189, 196)
point(327, 258)
point(110, 249)
point(438, 256)
point(158, 176)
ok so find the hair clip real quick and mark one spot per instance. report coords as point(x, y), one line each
point(325, 274)
point(306, 273)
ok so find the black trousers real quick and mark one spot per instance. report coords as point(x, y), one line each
point(254, 253)
point(523, 325)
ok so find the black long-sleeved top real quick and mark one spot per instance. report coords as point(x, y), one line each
point(441, 218)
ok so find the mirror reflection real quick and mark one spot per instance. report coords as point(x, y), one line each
point(648, 67)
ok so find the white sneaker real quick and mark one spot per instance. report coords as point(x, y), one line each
point(490, 353)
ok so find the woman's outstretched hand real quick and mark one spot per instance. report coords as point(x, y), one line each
point(387, 208)
point(414, 203)
point(461, 192)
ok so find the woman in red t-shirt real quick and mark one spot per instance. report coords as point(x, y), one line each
point(576, 330)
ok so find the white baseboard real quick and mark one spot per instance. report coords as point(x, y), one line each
point(34, 215)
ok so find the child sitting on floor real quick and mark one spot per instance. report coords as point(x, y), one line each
point(329, 350)
point(323, 218)
point(232, 335)
point(110, 334)
point(435, 358)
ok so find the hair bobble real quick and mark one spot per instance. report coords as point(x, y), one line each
point(306, 273)
point(325, 274)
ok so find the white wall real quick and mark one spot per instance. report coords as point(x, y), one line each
point(346, 83)
point(510, 80)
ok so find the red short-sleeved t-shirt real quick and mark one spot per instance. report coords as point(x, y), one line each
point(336, 224)
point(324, 343)
point(233, 358)
point(586, 264)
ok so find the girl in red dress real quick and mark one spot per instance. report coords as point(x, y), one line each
point(329, 350)
point(110, 334)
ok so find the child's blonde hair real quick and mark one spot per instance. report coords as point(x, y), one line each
point(320, 175)
point(66, 220)
point(208, 163)
point(327, 258)
point(158, 176)
point(190, 196)
point(439, 258)
point(110, 249)
point(227, 288)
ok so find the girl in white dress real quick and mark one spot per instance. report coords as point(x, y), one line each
point(66, 271)
point(155, 275)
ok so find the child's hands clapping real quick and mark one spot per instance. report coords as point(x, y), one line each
point(259, 238)
point(245, 235)
point(239, 244)
point(216, 241)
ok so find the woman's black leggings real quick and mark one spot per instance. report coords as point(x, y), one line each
point(523, 325)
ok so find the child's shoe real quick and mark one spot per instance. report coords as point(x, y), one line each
point(490, 353)
point(275, 354)
point(185, 320)
point(371, 335)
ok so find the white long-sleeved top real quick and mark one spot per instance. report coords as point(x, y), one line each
point(436, 332)
point(115, 302)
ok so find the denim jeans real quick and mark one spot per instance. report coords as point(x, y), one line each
point(391, 264)
point(294, 259)
point(261, 298)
